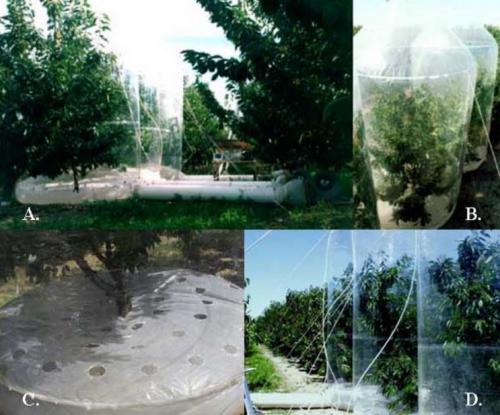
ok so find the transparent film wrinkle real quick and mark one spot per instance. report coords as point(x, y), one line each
point(484, 49)
point(157, 90)
point(458, 337)
point(376, 254)
point(179, 350)
point(416, 84)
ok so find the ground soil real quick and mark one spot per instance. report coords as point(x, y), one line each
point(297, 380)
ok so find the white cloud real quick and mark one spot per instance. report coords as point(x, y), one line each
point(154, 32)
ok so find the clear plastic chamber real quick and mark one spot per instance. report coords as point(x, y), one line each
point(154, 85)
point(384, 312)
point(416, 83)
point(458, 321)
point(338, 308)
point(484, 48)
point(151, 71)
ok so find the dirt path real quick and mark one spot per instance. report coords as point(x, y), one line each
point(299, 381)
point(296, 379)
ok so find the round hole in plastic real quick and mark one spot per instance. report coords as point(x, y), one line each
point(166, 341)
point(92, 346)
point(181, 279)
point(97, 371)
point(207, 302)
point(137, 326)
point(18, 354)
point(196, 360)
point(49, 366)
point(200, 290)
point(149, 369)
point(230, 349)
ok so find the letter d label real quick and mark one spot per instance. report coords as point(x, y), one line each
point(472, 399)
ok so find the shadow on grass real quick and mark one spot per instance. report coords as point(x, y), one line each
point(142, 214)
point(262, 375)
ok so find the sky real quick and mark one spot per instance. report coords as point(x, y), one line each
point(484, 11)
point(156, 28)
point(275, 264)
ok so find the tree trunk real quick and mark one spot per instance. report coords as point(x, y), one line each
point(123, 297)
point(119, 290)
point(76, 185)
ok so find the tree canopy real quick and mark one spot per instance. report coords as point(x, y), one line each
point(292, 79)
point(204, 127)
point(60, 96)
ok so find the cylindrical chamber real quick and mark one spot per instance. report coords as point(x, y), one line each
point(484, 48)
point(458, 323)
point(384, 298)
point(154, 87)
point(417, 87)
point(338, 308)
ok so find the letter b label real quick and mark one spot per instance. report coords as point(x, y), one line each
point(471, 214)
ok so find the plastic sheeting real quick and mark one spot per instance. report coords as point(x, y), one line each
point(384, 298)
point(179, 351)
point(416, 82)
point(151, 72)
point(458, 320)
point(158, 96)
point(338, 306)
point(425, 320)
point(484, 48)
point(108, 185)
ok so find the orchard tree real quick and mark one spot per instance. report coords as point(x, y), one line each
point(110, 259)
point(63, 97)
point(83, 94)
point(117, 256)
point(204, 126)
point(289, 328)
point(21, 54)
point(467, 291)
point(292, 79)
point(383, 287)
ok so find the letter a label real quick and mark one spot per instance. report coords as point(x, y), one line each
point(29, 216)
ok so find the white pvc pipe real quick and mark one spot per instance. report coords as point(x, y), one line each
point(260, 192)
point(115, 185)
point(223, 178)
point(188, 183)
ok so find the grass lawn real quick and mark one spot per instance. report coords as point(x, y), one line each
point(143, 214)
point(263, 377)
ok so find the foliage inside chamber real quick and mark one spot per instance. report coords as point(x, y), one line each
point(460, 296)
point(481, 117)
point(414, 139)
